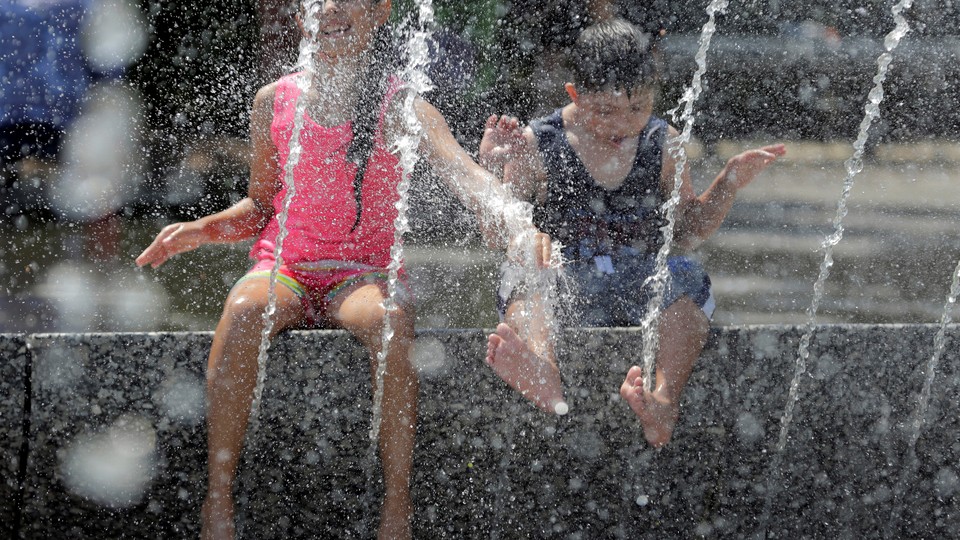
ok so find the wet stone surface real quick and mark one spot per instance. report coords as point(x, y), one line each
point(117, 441)
point(13, 363)
point(308, 456)
point(487, 463)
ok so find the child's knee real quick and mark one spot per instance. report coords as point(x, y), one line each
point(368, 326)
point(243, 310)
point(687, 312)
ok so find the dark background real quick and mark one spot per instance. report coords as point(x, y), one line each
point(776, 70)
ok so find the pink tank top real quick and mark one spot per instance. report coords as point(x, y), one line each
point(323, 209)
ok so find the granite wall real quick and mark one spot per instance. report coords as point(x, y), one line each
point(14, 380)
point(103, 437)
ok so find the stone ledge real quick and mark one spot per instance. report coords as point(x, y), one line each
point(13, 365)
point(487, 463)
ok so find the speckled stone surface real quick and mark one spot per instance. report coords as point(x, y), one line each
point(104, 403)
point(308, 456)
point(490, 465)
point(13, 363)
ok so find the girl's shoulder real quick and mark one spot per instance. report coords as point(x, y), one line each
point(263, 104)
point(267, 92)
point(284, 86)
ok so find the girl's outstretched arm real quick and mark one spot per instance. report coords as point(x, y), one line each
point(698, 217)
point(244, 219)
point(501, 215)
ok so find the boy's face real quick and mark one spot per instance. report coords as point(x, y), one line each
point(612, 115)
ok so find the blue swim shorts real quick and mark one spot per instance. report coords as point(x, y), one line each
point(611, 291)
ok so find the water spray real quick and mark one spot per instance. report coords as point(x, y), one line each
point(854, 166)
point(658, 280)
point(416, 82)
point(308, 48)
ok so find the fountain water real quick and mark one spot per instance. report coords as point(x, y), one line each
point(415, 77)
point(308, 47)
point(939, 343)
point(658, 280)
point(854, 165)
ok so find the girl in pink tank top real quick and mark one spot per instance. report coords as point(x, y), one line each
point(340, 232)
point(326, 230)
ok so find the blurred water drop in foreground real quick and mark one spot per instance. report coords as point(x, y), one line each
point(114, 467)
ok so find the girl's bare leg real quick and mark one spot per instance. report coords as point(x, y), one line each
point(683, 332)
point(231, 378)
point(360, 310)
point(527, 363)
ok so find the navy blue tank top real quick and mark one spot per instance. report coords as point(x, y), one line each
point(588, 219)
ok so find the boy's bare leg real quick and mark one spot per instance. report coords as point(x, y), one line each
point(231, 378)
point(683, 333)
point(360, 310)
point(527, 364)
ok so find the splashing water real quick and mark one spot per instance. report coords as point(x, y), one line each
point(854, 166)
point(417, 82)
point(657, 281)
point(115, 467)
point(939, 343)
point(308, 47)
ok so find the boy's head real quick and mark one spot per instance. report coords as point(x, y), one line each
point(612, 55)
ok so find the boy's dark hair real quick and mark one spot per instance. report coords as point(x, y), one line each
point(613, 55)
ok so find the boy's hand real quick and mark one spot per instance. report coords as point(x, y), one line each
point(540, 250)
point(742, 168)
point(172, 239)
point(501, 137)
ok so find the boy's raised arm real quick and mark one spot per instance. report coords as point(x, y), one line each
point(698, 217)
point(510, 152)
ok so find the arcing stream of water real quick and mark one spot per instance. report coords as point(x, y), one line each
point(854, 166)
point(308, 47)
point(911, 461)
point(939, 343)
point(417, 83)
point(658, 280)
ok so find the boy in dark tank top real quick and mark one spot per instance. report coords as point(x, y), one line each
point(597, 173)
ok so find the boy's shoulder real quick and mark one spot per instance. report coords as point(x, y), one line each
point(551, 120)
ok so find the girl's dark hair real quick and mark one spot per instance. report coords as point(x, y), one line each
point(371, 90)
point(613, 55)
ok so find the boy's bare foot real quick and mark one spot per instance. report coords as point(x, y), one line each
point(217, 518)
point(658, 415)
point(395, 519)
point(535, 378)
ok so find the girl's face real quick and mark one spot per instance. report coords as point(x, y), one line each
point(347, 27)
point(612, 116)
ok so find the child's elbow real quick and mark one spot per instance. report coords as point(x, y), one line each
point(688, 241)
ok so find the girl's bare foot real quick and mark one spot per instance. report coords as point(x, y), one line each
point(535, 378)
point(657, 413)
point(217, 518)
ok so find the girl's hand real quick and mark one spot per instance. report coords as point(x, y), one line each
point(742, 168)
point(173, 239)
point(501, 137)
